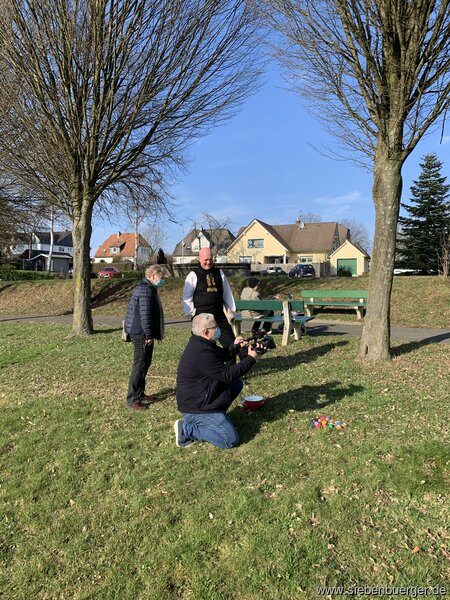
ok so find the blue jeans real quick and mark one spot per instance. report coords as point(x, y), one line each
point(215, 428)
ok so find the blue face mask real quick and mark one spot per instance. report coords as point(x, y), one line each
point(159, 283)
point(217, 334)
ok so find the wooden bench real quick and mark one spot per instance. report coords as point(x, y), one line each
point(282, 316)
point(356, 299)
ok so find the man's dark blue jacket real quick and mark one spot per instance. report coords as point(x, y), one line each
point(144, 314)
point(203, 378)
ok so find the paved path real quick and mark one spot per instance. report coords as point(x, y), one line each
point(316, 327)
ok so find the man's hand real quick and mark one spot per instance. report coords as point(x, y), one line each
point(239, 341)
point(148, 341)
point(252, 352)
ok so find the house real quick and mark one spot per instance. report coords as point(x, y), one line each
point(217, 239)
point(350, 256)
point(261, 244)
point(33, 250)
point(41, 240)
point(122, 247)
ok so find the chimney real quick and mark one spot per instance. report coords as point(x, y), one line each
point(118, 234)
point(300, 224)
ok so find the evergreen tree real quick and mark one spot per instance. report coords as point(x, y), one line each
point(161, 257)
point(423, 232)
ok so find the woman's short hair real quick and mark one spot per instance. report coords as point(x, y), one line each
point(155, 270)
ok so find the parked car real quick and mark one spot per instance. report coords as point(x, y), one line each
point(109, 272)
point(414, 272)
point(302, 271)
point(275, 271)
point(70, 274)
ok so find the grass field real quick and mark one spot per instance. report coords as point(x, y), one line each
point(416, 301)
point(98, 502)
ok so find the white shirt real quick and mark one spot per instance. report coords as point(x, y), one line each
point(188, 294)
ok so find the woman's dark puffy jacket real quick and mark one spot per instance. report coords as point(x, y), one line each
point(144, 312)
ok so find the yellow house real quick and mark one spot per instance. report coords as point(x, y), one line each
point(260, 243)
point(349, 256)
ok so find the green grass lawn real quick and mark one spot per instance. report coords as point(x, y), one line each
point(98, 502)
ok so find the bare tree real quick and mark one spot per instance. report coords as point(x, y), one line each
point(443, 252)
point(217, 229)
point(358, 233)
point(377, 73)
point(308, 217)
point(145, 204)
point(14, 214)
point(98, 92)
point(154, 236)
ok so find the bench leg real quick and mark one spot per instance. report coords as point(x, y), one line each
point(309, 311)
point(236, 327)
point(286, 323)
point(359, 312)
point(297, 330)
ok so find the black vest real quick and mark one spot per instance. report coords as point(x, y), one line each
point(208, 295)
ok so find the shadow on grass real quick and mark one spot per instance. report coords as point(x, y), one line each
point(35, 318)
point(301, 399)
point(112, 330)
point(411, 346)
point(112, 291)
point(5, 286)
point(281, 363)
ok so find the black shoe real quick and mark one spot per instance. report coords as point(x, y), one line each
point(148, 399)
point(137, 406)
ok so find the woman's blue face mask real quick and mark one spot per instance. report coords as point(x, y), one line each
point(159, 283)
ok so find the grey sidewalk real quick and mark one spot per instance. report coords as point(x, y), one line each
point(315, 328)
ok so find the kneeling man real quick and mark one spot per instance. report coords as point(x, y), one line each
point(207, 385)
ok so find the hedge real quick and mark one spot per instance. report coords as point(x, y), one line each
point(10, 273)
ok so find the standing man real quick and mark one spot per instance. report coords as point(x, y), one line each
point(206, 290)
point(207, 385)
point(144, 322)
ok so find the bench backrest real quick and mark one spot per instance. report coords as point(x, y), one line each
point(297, 305)
point(275, 305)
point(329, 294)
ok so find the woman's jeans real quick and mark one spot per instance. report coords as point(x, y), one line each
point(215, 428)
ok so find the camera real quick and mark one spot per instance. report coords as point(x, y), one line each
point(266, 342)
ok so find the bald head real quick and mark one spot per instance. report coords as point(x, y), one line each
point(205, 258)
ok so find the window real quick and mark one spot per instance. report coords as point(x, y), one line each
point(255, 243)
point(305, 259)
point(245, 259)
point(61, 248)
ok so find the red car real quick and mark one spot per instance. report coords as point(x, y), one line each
point(109, 272)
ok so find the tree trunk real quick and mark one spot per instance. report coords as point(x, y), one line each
point(82, 312)
point(387, 188)
point(52, 239)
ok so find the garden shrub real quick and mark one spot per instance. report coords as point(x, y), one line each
point(344, 272)
point(10, 273)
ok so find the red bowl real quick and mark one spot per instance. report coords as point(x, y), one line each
point(253, 402)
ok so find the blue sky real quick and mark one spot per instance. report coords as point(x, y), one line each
point(261, 165)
